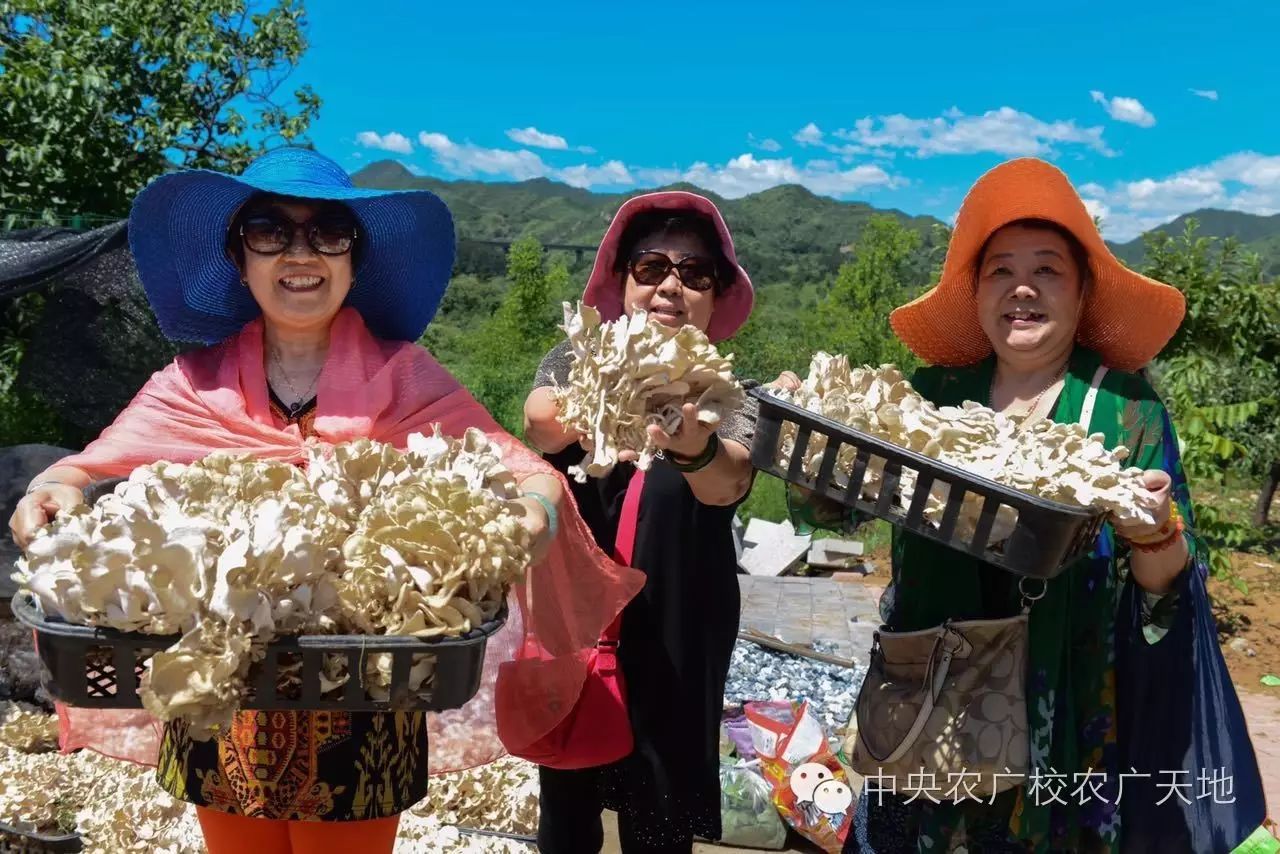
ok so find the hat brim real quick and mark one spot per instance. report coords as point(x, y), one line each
point(1128, 318)
point(178, 229)
point(604, 290)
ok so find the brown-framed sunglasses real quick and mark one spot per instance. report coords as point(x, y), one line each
point(652, 268)
point(272, 233)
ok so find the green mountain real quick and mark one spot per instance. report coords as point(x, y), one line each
point(1260, 234)
point(782, 235)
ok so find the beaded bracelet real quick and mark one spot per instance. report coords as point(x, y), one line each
point(1163, 537)
point(1160, 545)
point(1162, 533)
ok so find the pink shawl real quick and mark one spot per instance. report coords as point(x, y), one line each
point(216, 399)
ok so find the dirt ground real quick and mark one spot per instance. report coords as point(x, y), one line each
point(1248, 619)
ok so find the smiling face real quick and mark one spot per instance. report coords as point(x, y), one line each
point(669, 302)
point(1030, 293)
point(298, 289)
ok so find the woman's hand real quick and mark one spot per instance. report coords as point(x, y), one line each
point(542, 427)
point(690, 438)
point(39, 507)
point(1157, 499)
point(786, 381)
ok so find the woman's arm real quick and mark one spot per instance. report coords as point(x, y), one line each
point(726, 479)
point(723, 479)
point(539, 510)
point(1159, 552)
point(57, 488)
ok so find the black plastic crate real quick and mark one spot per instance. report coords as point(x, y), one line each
point(101, 668)
point(1048, 535)
point(14, 841)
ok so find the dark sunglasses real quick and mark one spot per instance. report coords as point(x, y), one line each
point(652, 268)
point(271, 234)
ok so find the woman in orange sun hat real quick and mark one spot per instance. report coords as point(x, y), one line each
point(1034, 317)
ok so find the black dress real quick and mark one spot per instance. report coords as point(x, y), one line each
point(676, 642)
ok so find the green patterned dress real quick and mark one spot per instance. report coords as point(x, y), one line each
point(1071, 689)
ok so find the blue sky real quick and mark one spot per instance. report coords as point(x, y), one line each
point(1152, 109)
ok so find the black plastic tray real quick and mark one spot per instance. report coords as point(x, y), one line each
point(100, 668)
point(14, 841)
point(1048, 535)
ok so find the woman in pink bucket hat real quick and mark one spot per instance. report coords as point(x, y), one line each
point(669, 254)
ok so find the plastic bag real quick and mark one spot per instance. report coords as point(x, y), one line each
point(748, 817)
point(737, 730)
point(810, 788)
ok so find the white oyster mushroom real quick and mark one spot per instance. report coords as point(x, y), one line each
point(631, 373)
point(231, 553)
point(1050, 460)
point(200, 678)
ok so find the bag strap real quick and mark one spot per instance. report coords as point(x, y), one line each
point(935, 679)
point(624, 543)
point(1091, 397)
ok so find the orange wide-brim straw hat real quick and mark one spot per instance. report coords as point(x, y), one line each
point(1127, 317)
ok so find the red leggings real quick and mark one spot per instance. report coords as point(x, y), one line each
point(234, 834)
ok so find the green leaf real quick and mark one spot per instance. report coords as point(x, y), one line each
point(1271, 681)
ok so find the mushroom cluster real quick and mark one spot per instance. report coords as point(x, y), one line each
point(231, 553)
point(629, 374)
point(119, 807)
point(1060, 462)
point(115, 806)
point(501, 796)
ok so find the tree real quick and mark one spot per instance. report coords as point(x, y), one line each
point(883, 275)
point(1220, 370)
point(97, 98)
point(1219, 374)
point(509, 346)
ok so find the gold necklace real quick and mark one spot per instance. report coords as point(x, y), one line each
point(298, 399)
point(991, 392)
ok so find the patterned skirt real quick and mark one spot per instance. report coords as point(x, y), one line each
point(329, 766)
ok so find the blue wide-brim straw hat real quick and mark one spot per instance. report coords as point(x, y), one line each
point(178, 236)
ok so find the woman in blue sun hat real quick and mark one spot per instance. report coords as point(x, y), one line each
point(310, 294)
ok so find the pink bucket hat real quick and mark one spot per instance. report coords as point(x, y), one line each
point(604, 290)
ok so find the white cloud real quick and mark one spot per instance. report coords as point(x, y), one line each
point(611, 174)
point(1246, 181)
point(467, 160)
point(1128, 110)
point(1207, 94)
point(745, 174)
point(767, 144)
point(810, 134)
point(740, 176)
point(1005, 131)
point(1096, 209)
point(657, 177)
point(393, 142)
point(537, 139)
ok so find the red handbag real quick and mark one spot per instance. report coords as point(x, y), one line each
point(597, 730)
